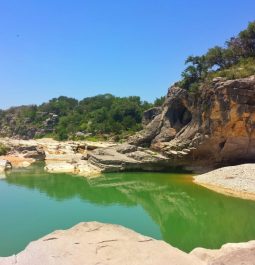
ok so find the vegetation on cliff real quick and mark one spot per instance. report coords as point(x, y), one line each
point(235, 60)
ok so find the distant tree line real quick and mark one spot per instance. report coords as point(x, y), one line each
point(235, 60)
point(67, 118)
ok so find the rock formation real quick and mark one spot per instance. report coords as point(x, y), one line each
point(209, 128)
point(127, 157)
point(213, 126)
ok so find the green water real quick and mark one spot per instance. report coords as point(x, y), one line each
point(165, 206)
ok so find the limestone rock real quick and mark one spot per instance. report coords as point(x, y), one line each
point(97, 243)
point(234, 180)
point(127, 157)
point(216, 125)
point(150, 114)
point(59, 167)
point(86, 169)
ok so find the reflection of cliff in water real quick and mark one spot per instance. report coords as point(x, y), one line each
point(184, 211)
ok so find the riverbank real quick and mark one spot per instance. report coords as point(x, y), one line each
point(238, 181)
point(83, 157)
point(91, 159)
point(99, 243)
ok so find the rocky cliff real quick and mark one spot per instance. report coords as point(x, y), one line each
point(215, 125)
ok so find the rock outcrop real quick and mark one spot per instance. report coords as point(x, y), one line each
point(213, 126)
point(127, 157)
point(22, 152)
point(66, 157)
point(98, 243)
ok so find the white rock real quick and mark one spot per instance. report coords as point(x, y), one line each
point(59, 167)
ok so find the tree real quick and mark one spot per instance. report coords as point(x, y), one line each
point(159, 101)
point(215, 57)
point(247, 38)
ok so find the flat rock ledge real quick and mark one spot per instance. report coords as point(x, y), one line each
point(238, 181)
point(108, 244)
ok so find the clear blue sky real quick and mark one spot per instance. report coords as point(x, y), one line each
point(81, 48)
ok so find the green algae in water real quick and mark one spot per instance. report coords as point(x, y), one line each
point(165, 206)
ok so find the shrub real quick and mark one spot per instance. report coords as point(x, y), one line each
point(4, 149)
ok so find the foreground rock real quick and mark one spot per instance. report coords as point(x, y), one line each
point(96, 243)
point(215, 126)
point(234, 180)
point(228, 254)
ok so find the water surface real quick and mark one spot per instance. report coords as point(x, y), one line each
point(165, 206)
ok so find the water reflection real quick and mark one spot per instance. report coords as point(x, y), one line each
point(186, 214)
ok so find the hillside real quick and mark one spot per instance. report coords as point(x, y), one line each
point(64, 118)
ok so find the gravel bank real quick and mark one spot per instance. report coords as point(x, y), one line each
point(238, 181)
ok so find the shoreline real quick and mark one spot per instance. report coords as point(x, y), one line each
point(236, 181)
point(227, 192)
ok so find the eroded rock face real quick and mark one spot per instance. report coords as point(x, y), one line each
point(215, 126)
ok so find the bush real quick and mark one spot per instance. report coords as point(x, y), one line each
point(4, 149)
point(245, 68)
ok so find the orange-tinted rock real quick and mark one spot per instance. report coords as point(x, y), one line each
point(216, 124)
